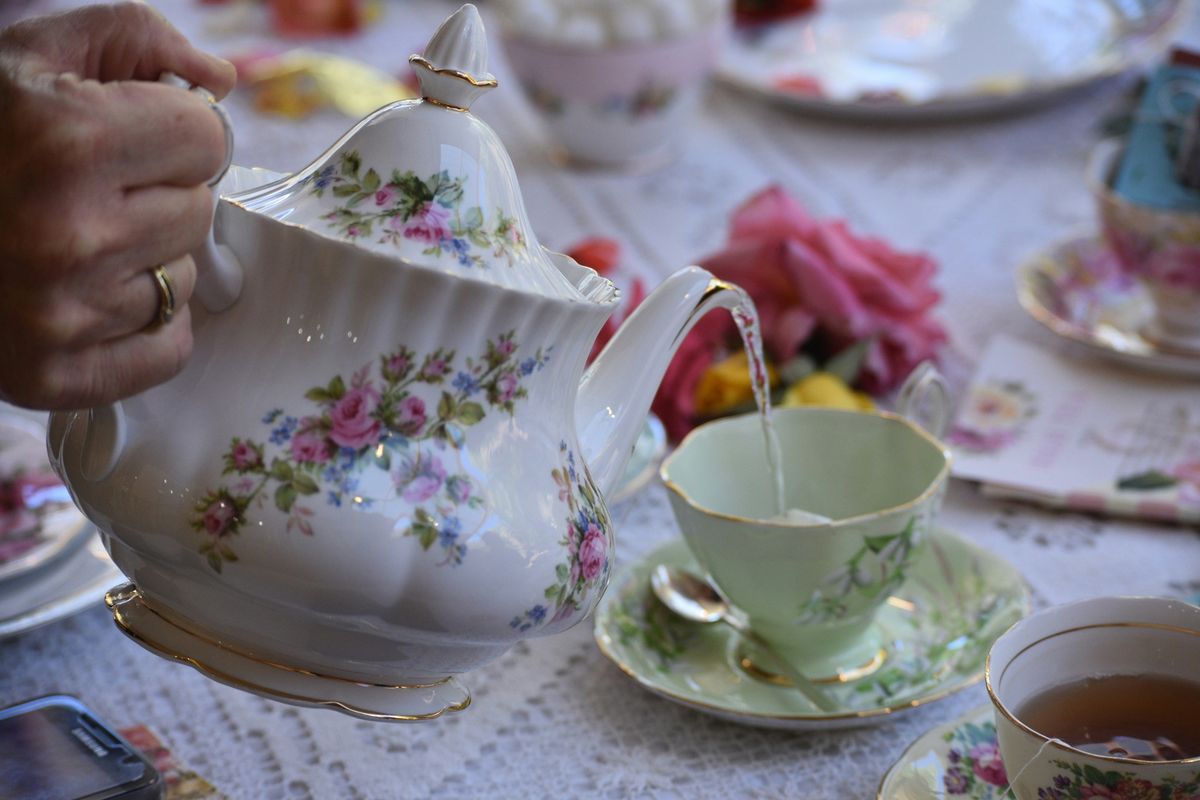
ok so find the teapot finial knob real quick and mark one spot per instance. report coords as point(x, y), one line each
point(454, 71)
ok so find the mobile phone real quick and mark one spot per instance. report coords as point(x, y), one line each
point(55, 748)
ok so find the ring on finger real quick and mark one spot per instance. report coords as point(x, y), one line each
point(166, 297)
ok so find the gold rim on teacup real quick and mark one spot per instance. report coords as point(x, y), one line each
point(936, 484)
point(999, 705)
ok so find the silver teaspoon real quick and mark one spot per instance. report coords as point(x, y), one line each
point(694, 599)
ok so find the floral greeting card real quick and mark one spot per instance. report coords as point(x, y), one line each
point(1078, 433)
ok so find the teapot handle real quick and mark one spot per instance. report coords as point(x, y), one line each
point(219, 274)
point(925, 388)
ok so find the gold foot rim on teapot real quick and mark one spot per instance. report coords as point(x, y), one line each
point(152, 630)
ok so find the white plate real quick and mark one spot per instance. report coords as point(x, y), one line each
point(38, 521)
point(76, 582)
point(940, 58)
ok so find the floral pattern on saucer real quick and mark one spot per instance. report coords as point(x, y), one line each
point(961, 759)
point(37, 517)
point(938, 625)
point(1080, 291)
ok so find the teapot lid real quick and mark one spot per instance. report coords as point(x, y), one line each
point(427, 182)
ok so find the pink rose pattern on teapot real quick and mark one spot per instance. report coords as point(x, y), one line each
point(377, 422)
point(407, 207)
point(588, 540)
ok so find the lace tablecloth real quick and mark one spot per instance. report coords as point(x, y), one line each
point(553, 718)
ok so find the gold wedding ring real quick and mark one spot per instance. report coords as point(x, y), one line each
point(166, 297)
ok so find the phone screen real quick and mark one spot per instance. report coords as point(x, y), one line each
point(56, 751)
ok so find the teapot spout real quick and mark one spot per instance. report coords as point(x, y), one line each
point(616, 391)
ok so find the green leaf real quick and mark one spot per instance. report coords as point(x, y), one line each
point(562, 571)
point(281, 470)
point(473, 218)
point(470, 413)
point(1147, 481)
point(1093, 775)
point(214, 561)
point(371, 181)
point(305, 484)
point(383, 459)
point(424, 529)
point(848, 363)
point(318, 395)
point(446, 407)
point(345, 190)
point(285, 497)
point(551, 591)
point(797, 369)
point(877, 543)
point(337, 387)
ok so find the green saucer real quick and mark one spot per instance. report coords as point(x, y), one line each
point(960, 759)
point(938, 628)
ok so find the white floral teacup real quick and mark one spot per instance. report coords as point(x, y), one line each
point(1106, 636)
point(1161, 247)
point(811, 590)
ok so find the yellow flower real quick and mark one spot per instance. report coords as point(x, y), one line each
point(827, 390)
point(725, 385)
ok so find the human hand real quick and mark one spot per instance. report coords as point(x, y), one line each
point(102, 179)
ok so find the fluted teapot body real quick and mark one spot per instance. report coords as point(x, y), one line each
point(385, 462)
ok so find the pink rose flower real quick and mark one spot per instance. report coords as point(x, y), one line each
point(397, 365)
point(419, 480)
point(592, 552)
point(219, 517)
point(806, 277)
point(436, 368)
point(310, 447)
point(245, 457)
point(506, 347)
point(353, 425)
point(988, 765)
point(508, 384)
point(431, 224)
point(385, 196)
point(411, 417)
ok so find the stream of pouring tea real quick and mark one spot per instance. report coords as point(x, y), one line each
point(746, 318)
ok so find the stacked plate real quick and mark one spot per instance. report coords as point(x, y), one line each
point(52, 563)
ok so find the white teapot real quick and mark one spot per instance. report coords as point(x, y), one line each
point(385, 462)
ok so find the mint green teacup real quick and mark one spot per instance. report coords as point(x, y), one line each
point(810, 590)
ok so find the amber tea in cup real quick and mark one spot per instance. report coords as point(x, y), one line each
point(1099, 698)
point(1147, 717)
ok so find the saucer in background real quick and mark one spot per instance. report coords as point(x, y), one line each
point(1078, 290)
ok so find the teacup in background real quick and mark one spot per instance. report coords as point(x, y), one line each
point(1091, 638)
point(1159, 246)
point(617, 105)
point(811, 590)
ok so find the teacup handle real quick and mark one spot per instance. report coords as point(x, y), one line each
point(218, 271)
point(925, 388)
